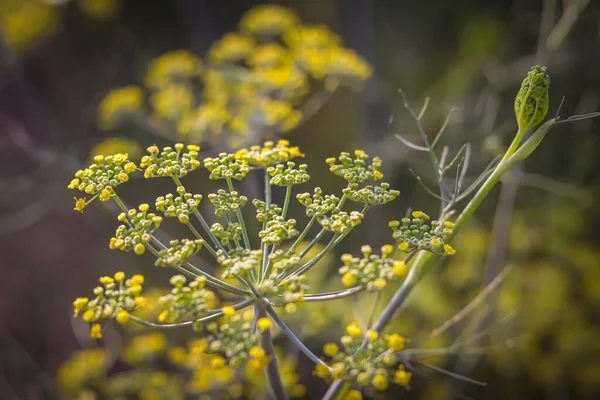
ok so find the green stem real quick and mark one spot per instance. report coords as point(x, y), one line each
point(302, 235)
point(266, 250)
point(240, 218)
point(199, 236)
point(286, 203)
point(210, 280)
point(202, 221)
point(425, 260)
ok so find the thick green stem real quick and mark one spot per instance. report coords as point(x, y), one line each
point(425, 260)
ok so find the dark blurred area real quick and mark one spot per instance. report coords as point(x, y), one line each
point(60, 58)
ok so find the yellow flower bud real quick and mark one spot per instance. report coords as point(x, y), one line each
point(400, 268)
point(449, 250)
point(137, 279)
point(349, 279)
point(256, 352)
point(417, 214)
point(403, 246)
point(228, 311)
point(217, 362)
point(330, 349)
point(322, 371)
point(96, 331)
point(264, 324)
point(290, 308)
point(120, 276)
point(139, 249)
point(402, 377)
point(354, 395)
point(122, 317)
point(339, 370)
point(353, 330)
point(380, 283)
point(380, 382)
point(163, 316)
point(396, 342)
point(372, 335)
point(88, 315)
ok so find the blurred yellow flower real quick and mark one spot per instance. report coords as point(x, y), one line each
point(118, 104)
point(175, 66)
point(268, 20)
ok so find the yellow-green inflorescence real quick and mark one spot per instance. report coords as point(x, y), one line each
point(250, 83)
point(101, 178)
point(371, 271)
point(374, 364)
point(270, 276)
point(115, 299)
point(417, 234)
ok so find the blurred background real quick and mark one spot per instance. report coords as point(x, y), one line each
point(535, 336)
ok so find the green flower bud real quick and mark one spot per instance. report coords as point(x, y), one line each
point(531, 103)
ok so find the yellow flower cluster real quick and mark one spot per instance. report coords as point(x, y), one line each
point(101, 9)
point(370, 364)
point(83, 368)
point(100, 178)
point(252, 84)
point(116, 145)
point(231, 48)
point(118, 105)
point(268, 20)
point(144, 348)
point(371, 271)
point(176, 66)
point(24, 23)
point(269, 155)
point(115, 299)
point(172, 102)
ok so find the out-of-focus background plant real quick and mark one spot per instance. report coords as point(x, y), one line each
point(87, 77)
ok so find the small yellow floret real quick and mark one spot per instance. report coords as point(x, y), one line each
point(354, 395)
point(380, 283)
point(330, 349)
point(403, 246)
point(264, 324)
point(353, 330)
point(96, 331)
point(228, 311)
point(163, 316)
point(417, 214)
point(402, 377)
point(372, 335)
point(449, 250)
point(380, 382)
point(256, 352)
point(137, 279)
point(139, 248)
point(435, 242)
point(322, 371)
point(449, 224)
point(104, 195)
point(396, 342)
point(217, 362)
point(349, 279)
point(400, 268)
point(122, 317)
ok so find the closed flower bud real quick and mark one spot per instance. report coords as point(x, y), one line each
point(531, 103)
